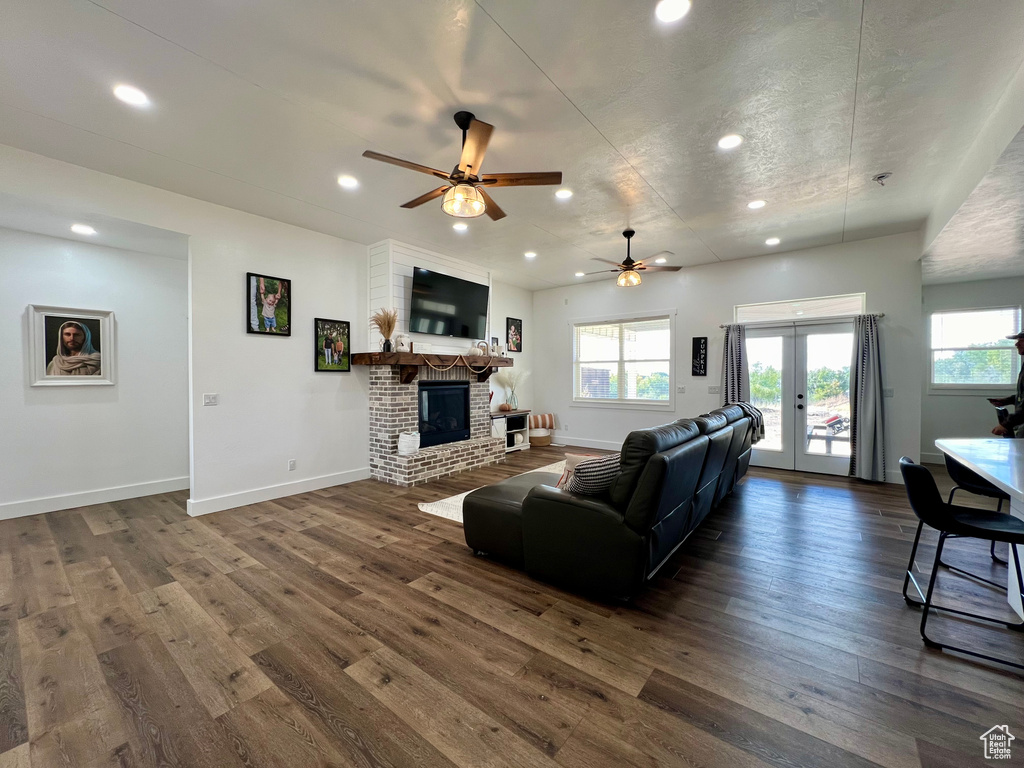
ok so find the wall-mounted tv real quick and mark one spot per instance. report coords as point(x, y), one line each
point(447, 306)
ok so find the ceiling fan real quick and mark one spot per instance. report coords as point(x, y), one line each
point(465, 196)
point(629, 270)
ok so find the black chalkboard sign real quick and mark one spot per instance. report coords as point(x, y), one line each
point(700, 355)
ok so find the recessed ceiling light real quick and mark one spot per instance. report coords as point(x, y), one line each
point(348, 182)
point(460, 227)
point(755, 204)
point(530, 255)
point(662, 260)
point(731, 141)
point(82, 229)
point(580, 274)
point(129, 94)
point(671, 10)
point(563, 194)
point(772, 241)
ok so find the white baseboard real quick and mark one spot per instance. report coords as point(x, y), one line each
point(197, 507)
point(932, 458)
point(584, 442)
point(85, 498)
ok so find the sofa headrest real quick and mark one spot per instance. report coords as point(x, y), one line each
point(638, 447)
point(731, 412)
point(711, 422)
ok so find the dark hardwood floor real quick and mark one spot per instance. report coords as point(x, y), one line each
point(344, 627)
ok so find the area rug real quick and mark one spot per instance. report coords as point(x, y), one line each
point(451, 508)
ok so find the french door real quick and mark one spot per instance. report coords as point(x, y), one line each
point(800, 380)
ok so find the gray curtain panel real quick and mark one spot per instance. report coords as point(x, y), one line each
point(735, 377)
point(867, 427)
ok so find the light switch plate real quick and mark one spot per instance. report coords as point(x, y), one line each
point(888, 393)
point(210, 399)
point(715, 390)
point(681, 389)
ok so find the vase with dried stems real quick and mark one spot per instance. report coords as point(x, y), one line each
point(385, 320)
point(510, 379)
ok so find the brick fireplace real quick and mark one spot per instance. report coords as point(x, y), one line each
point(394, 409)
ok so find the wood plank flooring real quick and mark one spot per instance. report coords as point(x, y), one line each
point(344, 627)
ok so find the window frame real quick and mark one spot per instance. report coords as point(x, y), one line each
point(967, 388)
point(625, 403)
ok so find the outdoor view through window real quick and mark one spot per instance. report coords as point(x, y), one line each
point(970, 349)
point(627, 360)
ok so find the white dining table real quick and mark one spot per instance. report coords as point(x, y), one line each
point(1001, 462)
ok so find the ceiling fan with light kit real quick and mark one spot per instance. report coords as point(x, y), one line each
point(629, 270)
point(465, 194)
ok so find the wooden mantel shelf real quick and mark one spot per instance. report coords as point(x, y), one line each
point(409, 362)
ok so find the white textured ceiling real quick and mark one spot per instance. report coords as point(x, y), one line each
point(259, 105)
point(985, 238)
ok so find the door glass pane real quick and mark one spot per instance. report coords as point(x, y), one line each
point(827, 393)
point(765, 366)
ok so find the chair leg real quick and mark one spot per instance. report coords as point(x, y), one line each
point(910, 567)
point(997, 558)
point(928, 607)
point(1015, 554)
point(931, 589)
point(955, 489)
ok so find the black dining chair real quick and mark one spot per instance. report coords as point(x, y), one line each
point(952, 521)
point(970, 481)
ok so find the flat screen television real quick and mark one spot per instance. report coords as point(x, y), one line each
point(447, 306)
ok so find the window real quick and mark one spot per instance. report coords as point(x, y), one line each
point(968, 348)
point(625, 361)
point(801, 309)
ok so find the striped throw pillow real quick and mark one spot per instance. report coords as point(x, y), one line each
point(594, 476)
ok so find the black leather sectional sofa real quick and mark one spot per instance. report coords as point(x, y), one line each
point(671, 477)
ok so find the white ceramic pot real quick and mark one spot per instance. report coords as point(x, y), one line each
point(408, 443)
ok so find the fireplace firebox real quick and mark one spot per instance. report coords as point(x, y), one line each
point(444, 412)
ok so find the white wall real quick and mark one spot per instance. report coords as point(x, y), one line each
point(510, 301)
point(71, 446)
point(950, 415)
point(886, 269)
point(273, 407)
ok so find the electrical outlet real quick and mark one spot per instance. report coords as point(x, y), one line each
point(715, 390)
point(681, 389)
point(291, 465)
point(210, 399)
point(888, 393)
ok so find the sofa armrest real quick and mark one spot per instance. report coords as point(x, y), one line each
point(581, 542)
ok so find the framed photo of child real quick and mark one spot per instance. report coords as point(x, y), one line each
point(270, 305)
point(331, 346)
point(71, 347)
point(514, 334)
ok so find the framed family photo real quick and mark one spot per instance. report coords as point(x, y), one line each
point(71, 347)
point(514, 334)
point(331, 346)
point(270, 305)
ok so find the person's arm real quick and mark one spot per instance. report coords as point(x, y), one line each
point(1001, 401)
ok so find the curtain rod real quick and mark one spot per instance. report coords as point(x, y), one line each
point(809, 321)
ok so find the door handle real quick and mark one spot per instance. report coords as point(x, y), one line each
point(800, 407)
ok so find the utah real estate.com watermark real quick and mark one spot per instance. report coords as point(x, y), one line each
point(997, 742)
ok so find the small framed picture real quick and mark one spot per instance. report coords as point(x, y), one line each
point(71, 347)
point(331, 346)
point(514, 333)
point(270, 305)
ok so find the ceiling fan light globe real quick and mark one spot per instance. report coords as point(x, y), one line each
point(628, 278)
point(463, 201)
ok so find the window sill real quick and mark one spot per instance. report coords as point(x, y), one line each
point(998, 390)
point(629, 405)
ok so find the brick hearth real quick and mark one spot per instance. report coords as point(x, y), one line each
point(394, 409)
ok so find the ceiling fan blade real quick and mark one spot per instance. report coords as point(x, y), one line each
point(405, 164)
point(475, 147)
point(521, 179)
point(607, 261)
point(661, 269)
point(600, 272)
point(493, 209)
point(434, 193)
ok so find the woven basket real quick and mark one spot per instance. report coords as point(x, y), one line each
point(540, 437)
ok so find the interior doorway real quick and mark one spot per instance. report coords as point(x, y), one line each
point(800, 380)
